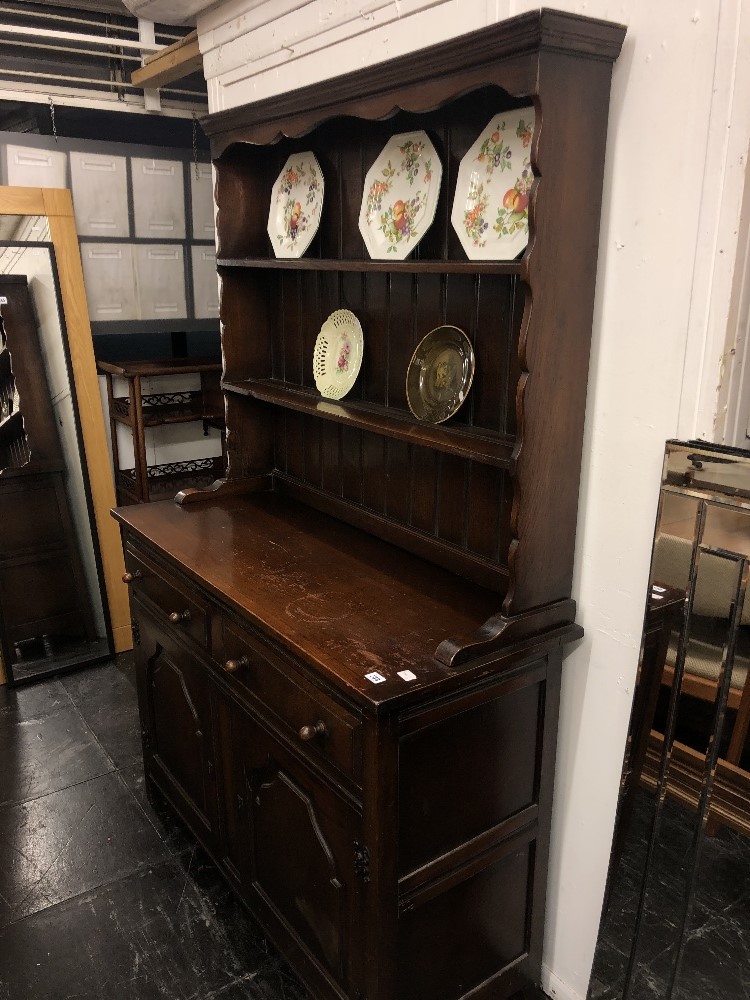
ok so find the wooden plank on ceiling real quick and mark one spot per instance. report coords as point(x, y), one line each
point(172, 63)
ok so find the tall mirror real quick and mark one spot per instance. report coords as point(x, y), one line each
point(53, 608)
point(676, 920)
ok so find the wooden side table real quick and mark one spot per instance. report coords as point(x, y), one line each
point(137, 411)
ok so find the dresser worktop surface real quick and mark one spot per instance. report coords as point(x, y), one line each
point(344, 602)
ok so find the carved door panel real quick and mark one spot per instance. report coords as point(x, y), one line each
point(175, 709)
point(302, 854)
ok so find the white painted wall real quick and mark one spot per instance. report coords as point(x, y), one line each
point(674, 183)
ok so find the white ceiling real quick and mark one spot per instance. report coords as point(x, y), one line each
point(169, 11)
point(102, 6)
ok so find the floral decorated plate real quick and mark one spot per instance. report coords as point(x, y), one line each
point(491, 205)
point(296, 204)
point(400, 196)
point(337, 356)
point(440, 374)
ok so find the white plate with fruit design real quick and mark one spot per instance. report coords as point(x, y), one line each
point(337, 356)
point(491, 206)
point(400, 196)
point(296, 205)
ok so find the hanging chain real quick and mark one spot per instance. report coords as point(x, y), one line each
point(52, 116)
point(195, 147)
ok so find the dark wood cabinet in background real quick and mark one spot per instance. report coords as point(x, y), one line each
point(376, 605)
point(146, 482)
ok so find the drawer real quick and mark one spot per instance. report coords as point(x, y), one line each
point(181, 608)
point(26, 166)
point(100, 194)
point(109, 276)
point(160, 277)
point(319, 726)
point(158, 198)
point(202, 202)
point(205, 283)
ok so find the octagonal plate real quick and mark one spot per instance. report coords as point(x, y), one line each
point(491, 205)
point(296, 205)
point(400, 196)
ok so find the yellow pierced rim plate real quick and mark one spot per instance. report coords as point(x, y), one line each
point(440, 374)
point(337, 356)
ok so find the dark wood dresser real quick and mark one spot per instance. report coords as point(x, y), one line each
point(349, 651)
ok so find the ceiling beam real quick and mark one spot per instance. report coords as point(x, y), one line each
point(172, 63)
point(100, 6)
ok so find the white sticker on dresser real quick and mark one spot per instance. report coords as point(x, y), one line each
point(407, 675)
point(375, 677)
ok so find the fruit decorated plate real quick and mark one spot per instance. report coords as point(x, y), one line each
point(337, 355)
point(440, 374)
point(400, 196)
point(491, 204)
point(296, 204)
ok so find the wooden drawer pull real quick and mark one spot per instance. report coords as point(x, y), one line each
point(231, 666)
point(129, 577)
point(319, 729)
point(180, 617)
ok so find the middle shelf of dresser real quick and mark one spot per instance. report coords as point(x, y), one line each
point(464, 441)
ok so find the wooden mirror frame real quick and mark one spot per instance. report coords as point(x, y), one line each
point(57, 205)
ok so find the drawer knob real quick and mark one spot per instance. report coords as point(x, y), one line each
point(231, 666)
point(129, 577)
point(318, 730)
point(179, 617)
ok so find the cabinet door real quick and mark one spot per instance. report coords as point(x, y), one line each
point(110, 281)
point(29, 167)
point(205, 283)
point(174, 700)
point(295, 845)
point(160, 274)
point(100, 194)
point(158, 199)
point(202, 202)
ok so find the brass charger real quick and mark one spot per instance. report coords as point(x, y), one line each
point(440, 374)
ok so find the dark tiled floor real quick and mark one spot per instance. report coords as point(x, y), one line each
point(103, 895)
point(716, 960)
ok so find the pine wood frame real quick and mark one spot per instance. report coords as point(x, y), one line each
point(57, 206)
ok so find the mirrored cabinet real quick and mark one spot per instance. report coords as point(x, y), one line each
point(677, 901)
point(51, 612)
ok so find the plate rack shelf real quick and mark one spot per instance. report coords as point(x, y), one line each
point(366, 457)
point(465, 442)
point(415, 266)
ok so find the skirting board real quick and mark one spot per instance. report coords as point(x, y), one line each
point(555, 988)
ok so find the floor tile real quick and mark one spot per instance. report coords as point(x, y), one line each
point(125, 663)
point(30, 701)
point(107, 702)
point(715, 959)
point(64, 843)
point(173, 832)
point(151, 936)
point(600, 991)
point(717, 942)
point(45, 745)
